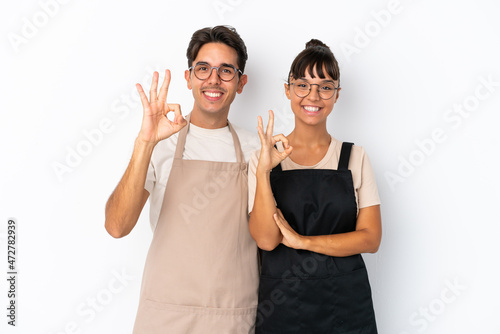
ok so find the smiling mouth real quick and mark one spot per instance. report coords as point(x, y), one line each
point(212, 94)
point(311, 109)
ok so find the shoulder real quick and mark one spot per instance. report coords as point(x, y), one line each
point(246, 137)
point(249, 140)
point(356, 149)
point(357, 153)
point(254, 158)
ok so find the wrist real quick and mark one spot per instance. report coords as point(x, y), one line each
point(143, 145)
point(262, 172)
point(305, 242)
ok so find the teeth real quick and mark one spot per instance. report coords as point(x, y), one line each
point(312, 109)
point(213, 94)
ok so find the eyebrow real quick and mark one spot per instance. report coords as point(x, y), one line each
point(324, 81)
point(206, 63)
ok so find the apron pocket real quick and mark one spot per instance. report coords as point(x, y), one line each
point(352, 298)
point(277, 306)
point(156, 317)
point(295, 305)
point(316, 308)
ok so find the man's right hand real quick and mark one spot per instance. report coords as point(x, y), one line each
point(125, 204)
point(155, 124)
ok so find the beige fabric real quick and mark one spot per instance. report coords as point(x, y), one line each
point(201, 273)
point(365, 186)
point(201, 144)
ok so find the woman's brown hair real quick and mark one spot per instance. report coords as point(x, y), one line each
point(317, 55)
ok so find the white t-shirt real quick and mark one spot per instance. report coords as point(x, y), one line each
point(201, 144)
point(365, 187)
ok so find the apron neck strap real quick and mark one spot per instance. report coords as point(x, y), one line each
point(345, 154)
point(181, 141)
point(240, 157)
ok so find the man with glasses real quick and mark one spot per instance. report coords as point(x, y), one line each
point(201, 273)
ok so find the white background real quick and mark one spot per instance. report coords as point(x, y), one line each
point(406, 67)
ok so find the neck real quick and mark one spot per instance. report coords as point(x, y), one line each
point(310, 136)
point(208, 120)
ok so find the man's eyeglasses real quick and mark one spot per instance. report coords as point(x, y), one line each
point(225, 72)
point(302, 88)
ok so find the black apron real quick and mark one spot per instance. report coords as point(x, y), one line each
point(306, 292)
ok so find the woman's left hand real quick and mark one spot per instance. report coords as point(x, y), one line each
point(270, 157)
point(290, 238)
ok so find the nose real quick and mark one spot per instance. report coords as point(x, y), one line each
point(314, 93)
point(214, 76)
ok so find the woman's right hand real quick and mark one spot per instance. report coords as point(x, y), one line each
point(270, 157)
point(155, 124)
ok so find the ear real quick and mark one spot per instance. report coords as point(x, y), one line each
point(287, 91)
point(241, 83)
point(187, 76)
point(337, 94)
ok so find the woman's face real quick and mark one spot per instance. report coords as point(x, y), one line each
point(312, 109)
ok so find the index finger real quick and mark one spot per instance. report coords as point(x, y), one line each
point(162, 97)
point(154, 86)
point(176, 108)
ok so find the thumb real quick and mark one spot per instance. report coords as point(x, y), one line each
point(286, 152)
point(277, 220)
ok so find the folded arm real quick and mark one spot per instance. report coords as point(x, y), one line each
point(365, 239)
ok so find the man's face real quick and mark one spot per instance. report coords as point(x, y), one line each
point(213, 95)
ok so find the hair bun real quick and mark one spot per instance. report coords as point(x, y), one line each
point(316, 42)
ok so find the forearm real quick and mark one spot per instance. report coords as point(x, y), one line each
point(262, 226)
point(125, 204)
point(343, 244)
point(365, 239)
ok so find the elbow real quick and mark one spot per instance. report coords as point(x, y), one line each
point(267, 245)
point(116, 234)
point(369, 241)
point(266, 238)
point(114, 230)
point(264, 242)
point(114, 223)
point(372, 247)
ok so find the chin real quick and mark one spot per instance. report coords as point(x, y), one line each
point(213, 111)
point(312, 119)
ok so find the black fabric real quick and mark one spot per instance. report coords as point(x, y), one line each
point(306, 292)
point(345, 154)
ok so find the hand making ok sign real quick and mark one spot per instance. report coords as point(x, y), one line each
point(155, 124)
point(270, 157)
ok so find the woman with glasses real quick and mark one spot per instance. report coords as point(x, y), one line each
point(314, 209)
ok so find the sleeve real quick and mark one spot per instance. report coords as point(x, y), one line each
point(252, 180)
point(149, 184)
point(367, 192)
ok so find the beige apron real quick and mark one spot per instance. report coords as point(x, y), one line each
point(201, 272)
